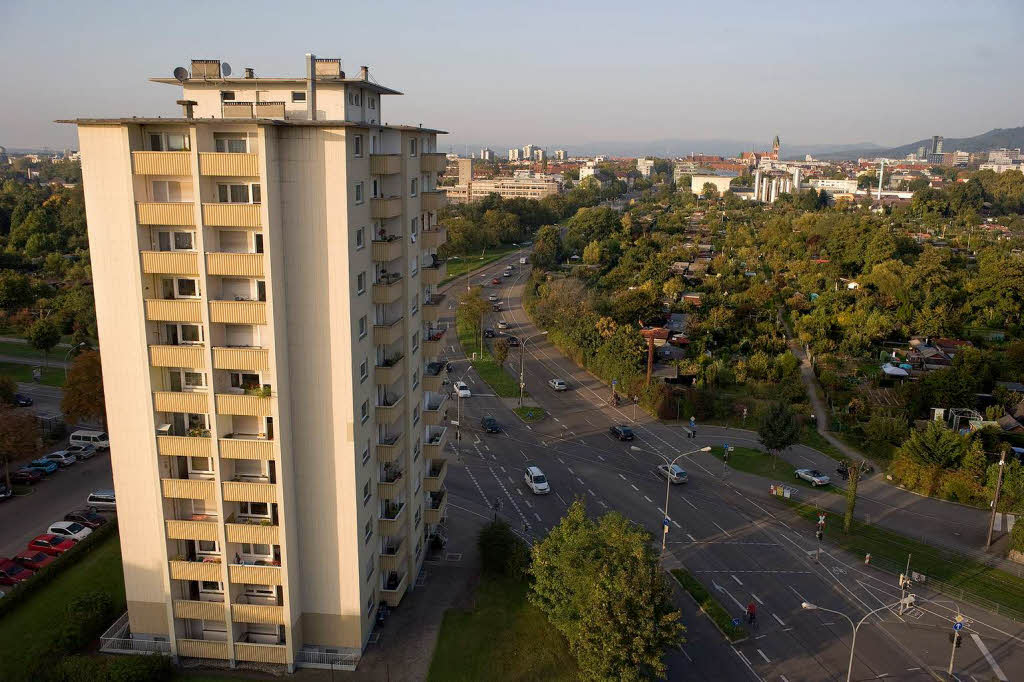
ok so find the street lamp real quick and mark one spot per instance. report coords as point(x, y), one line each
point(67, 355)
point(522, 366)
point(664, 530)
point(814, 607)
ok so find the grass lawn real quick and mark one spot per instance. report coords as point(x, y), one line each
point(709, 605)
point(531, 415)
point(52, 376)
point(35, 621)
point(457, 267)
point(505, 638)
point(759, 463)
point(810, 437)
point(490, 371)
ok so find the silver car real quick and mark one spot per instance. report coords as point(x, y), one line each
point(674, 473)
point(812, 476)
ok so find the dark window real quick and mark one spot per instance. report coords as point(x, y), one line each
point(298, 95)
point(227, 95)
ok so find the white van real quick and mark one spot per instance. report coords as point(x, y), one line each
point(522, 261)
point(99, 439)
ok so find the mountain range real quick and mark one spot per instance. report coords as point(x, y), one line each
point(993, 139)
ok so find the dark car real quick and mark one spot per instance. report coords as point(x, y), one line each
point(12, 573)
point(490, 425)
point(89, 519)
point(621, 432)
point(488, 333)
point(34, 559)
point(51, 544)
point(26, 476)
point(5, 492)
point(512, 340)
point(22, 400)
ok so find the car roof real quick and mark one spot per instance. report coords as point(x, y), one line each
point(534, 470)
point(46, 537)
point(102, 492)
point(61, 524)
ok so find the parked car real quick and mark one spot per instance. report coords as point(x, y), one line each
point(489, 424)
point(674, 473)
point(12, 573)
point(101, 499)
point(493, 297)
point(462, 390)
point(26, 476)
point(488, 333)
point(34, 559)
point(63, 458)
point(5, 492)
point(44, 466)
point(98, 438)
point(51, 544)
point(536, 481)
point(69, 529)
point(558, 385)
point(502, 324)
point(621, 432)
point(812, 476)
point(82, 451)
point(22, 400)
point(89, 519)
point(512, 340)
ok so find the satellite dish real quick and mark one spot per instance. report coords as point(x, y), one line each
point(225, 69)
point(181, 73)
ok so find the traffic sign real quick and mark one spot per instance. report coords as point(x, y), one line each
point(735, 621)
point(821, 519)
point(958, 626)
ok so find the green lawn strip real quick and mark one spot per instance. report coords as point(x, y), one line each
point(35, 622)
point(531, 415)
point(812, 439)
point(458, 267)
point(889, 550)
point(496, 377)
point(24, 350)
point(709, 605)
point(503, 639)
point(759, 463)
point(52, 376)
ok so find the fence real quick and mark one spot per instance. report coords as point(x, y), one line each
point(309, 658)
point(118, 640)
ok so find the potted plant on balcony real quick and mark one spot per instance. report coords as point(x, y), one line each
point(198, 432)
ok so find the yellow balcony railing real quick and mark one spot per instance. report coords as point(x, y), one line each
point(251, 359)
point(261, 653)
point(386, 334)
point(188, 357)
point(269, 109)
point(180, 310)
point(387, 375)
point(229, 165)
point(434, 480)
point(166, 213)
point(390, 451)
point(387, 290)
point(390, 490)
point(232, 215)
point(433, 200)
point(183, 446)
point(257, 613)
point(161, 163)
point(382, 208)
point(434, 274)
point(196, 570)
point(246, 448)
point(436, 512)
point(235, 264)
point(433, 162)
point(181, 401)
point(433, 238)
point(238, 312)
point(253, 533)
point(435, 415)
point(192, 530)
point(434, 309)
point(385, 251)
point(389, 414)
point(170, 263)
point(432, 344)
point(393, 596)
point(188, 488)
point(385, 164)
point(244, 405)
point(202, 648)
point(392, 526)
point(249, 491)
point(434, 449)
point(395, 559)
point(199, 610)
point(255, 575)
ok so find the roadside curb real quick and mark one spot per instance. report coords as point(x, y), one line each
point(678, 585)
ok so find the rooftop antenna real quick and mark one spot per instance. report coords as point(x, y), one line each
point(181, 74)
point(225, 69)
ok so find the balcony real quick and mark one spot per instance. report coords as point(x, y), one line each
point(385, 164)
point(434, 376)
point(390, 485)
point(193, 530)
point(251, 359)
point(435, 443)
point(249, 491)
point(433, 238)
point(199, 610)
point(393, 588)
point(161, 163)
point(437, 507)
point(435, 409)
point(432, 342)
point(433, 162)
point(392, 521)
point(388, 289)
point(165, 213)
point(196, 570)
point(229, 165)
point(188, 488)
point(389, 372)
point(269, 109)
point(235, 264)
point(180, 310)
point(195, 402)
point(202, 648)
point(183, 446)
point(236, 109)
point(189, 357)
point(246, 448)
point(386, 250)
point(170, 263)
point(390, 410)
point(393, 555)
point(261, 653)
point(389, 450)
point(382, 208)
point(389, 332)
point(253, 533)
point(232, 215)
point(238, 312)
point(434, 308)
point(258, 613)
point(433, 482)
point(433, 200)
point(254, 575)
point(433, 274)
point(244, 405)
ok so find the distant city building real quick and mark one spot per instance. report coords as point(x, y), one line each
point(526, 187)
point(833, 186)
point(1001, 167)
point(540, 156)
point(486, 155)
point(528, 151)
point(754, 158)
point(513, 154)
point(922, 152)
point(588, 170)
point(720, 181)
point(936, 144)
point(561, 155)
point(645, 166)
point(1004, 155)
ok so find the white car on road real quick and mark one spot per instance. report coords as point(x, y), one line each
point(462, 390)
point(502, 324)
point(558, 385)
point(674, 473)
point(536, 481)
point(492, 297)
point(69, 529)
point(812, 476)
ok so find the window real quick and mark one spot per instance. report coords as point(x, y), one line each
point(372, 102)
point(227, 95)
point(369, 604)
point(416, 415)
point(238, 194)
point(366, 491)
point(195, 379)
point(414, 265)
point(362, 327)
point(363, 372)
point(360, 237)
point(210, 586)
point(242, 380)
point(183, 334)
point(206, 546)
point(166, 190)
point(415, 229)
point(200, 465)
point(257, 242)
point(254, 509)
point(357, 145)
point(261, 290)
point(255, 549)
point(413, 186)
point(364, 412)
point(298, 95)
point(369, 567)
point(368, 531)
point(361, 283)
point(231, 145)
point(412, 147)
point(419, 547)
point(168, 142)
point(358, 192)
point(414, 308)
point(366, 452)
point(180, 287)
point(415, 378)
point(419, 513)
point(355, 98)
point(175, 241)
point(375, 188)
point(415, 340)
point(416, 451)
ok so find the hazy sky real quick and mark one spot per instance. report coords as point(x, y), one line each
point(552, 73)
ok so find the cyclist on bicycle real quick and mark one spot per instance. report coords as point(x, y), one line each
point(751, 613)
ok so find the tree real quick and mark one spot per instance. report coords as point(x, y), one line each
point(15, 291)
point(500, 351)
point(502, 552)
point(83, 390)
point(43, 335)
point(547, 247)
point(600, 585)
point(8, 387)
point(592, 253)
point(19, 436)
point(853, 469)
point(709, 191)
point(778, 429)
point(935, 446)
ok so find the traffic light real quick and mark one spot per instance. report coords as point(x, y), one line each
point(955, 639)
point(818, 534)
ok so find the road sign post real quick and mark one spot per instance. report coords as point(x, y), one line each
point(954, 638)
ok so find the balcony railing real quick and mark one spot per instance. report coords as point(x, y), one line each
point(194, 402)
point(388, 289)
point(392, 554)
point(170, 263)
point(258, 613)
point(238, 312)
point(385, 164)
point(392, 519)
point(388, 332)
point(433, 274)
point(161, 163)
point(183, 446)
point(199, 610)
point(434, 376)
point(180, 310)
point(118, 639)
point(229, 165)
point(390, 409)
point(254, 575)
point(433, 200)
point(246, 448)
point(253, 533)
point(235, 264)
point(432, 342)
point(232, 215)
point(244, 405)
point(192, 530)
point(190, 357)
point(390, 485)
point(434, 411)
point(437, 507)
point(388, 450)
point(434, 308)
point(250, 359)
point(389, 372)
point(308, 658)
point(261, 653)
point(433, 162)
point(202, 648)
point(165, 213)
point(386, 250)
point(393, 587)
point(188, 488)
point(433, 482)
point(382, 208)
point(249, 491)
point(433, 238)
point(195, 570)
point(435, 443)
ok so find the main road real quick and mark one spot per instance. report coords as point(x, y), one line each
point(740, 545)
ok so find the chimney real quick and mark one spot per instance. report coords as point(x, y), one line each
point(249, 72)
point(311, 86)
point(186, 105)
point(364, 73)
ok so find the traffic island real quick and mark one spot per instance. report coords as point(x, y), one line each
point(710, 607)
point(531, 415)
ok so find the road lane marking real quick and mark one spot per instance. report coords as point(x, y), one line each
point(601, 502)
point(622, 477)
point(766, 659)
point(988, 657)
point(600, 458)
point(757, 599)
point(538, 516)
point(560, 460)
point(688, 502)
point(740, 654)
point(503, 470)
point(684, 653)
point(778, 619)
point(692, 539)
point(591, 492)
point(736, 579)
point(527, 503)
point(518, 490)
point(580, 480)
point(722, 529)
point(571, 471)
point(511, 481)
point(648, 499)
point(676, 524)
point(634, 487)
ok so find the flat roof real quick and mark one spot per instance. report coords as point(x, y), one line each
point(141, 120)
point(370, 85)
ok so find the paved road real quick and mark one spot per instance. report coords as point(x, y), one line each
point(736, 542)
point(46, 398)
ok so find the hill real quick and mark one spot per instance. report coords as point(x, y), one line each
point(993, 139)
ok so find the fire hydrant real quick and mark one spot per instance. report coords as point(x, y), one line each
point(867, 558)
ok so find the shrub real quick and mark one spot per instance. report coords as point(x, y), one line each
point(502, 552)
point(86, 617)
point(1017, 537)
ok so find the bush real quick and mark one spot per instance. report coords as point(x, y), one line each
point(1017, 537)
point(502, 552)
point(86, 617)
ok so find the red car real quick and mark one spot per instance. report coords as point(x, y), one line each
point(26, 476)
point(12, 573)
point(34, 559)
point(51, 544)
point(495, 281)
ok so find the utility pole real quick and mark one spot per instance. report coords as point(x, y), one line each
point(995, 500)
point(905, 584)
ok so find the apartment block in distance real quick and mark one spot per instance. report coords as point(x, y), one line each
point(264, 270)
point(469, 189)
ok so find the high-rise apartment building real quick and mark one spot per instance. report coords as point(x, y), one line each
point(937, 142)
point(486, 154)
point(265, 270)
point(561, 155)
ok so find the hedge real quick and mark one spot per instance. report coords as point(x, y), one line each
point(709, 605)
